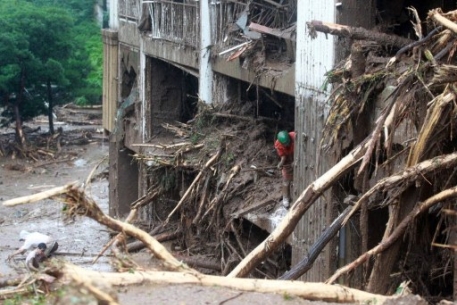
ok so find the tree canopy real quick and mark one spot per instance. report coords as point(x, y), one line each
point(51, 53)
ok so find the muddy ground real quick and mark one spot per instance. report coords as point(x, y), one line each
point(81, 239)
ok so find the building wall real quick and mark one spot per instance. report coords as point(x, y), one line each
point(314, 57)
point(304, 80)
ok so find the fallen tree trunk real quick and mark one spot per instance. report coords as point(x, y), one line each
point(357, 33)
point(396, 234)
point(39, 196)
point(80, 204)
point(436, 16)
point(196, 262)
point(301, 205)
point(309, 291)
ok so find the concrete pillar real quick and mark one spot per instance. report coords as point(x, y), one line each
point(110, 77)
point(113, 14)
point(123, 178)
point(205, 67)
point(314, 57)
point(224, 88)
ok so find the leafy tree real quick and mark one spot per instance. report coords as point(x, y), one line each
point(43, 35)
point(44, 45)
point(85, 69)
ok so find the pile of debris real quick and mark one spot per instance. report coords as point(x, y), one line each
point(218, 167)
point(75, 125)
point(394, 107)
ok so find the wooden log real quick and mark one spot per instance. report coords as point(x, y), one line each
point(6, 294)
point(357, 33)
point(410, 173)
point(252, 208)
point(436, 16)
point(132, 215)
point(274, 32)
point(165, 236)
point(203, 200)
point(196, 262)
point(301, 205)
point(39, 196)
point(54, 162)
point(309, 291)
point(102, 296)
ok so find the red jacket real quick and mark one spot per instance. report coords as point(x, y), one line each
point(287, 151)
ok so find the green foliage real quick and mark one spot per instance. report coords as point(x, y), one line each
point(89, 35)
point(287, 297)
point(228, 158)
point(49, 40)
point(194, 138)
point(19, 299)
point(82, 10)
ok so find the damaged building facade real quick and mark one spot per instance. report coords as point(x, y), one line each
point(161, 57)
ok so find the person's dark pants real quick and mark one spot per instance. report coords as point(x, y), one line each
point(49, 250)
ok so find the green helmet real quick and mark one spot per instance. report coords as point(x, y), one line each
point(283, 137)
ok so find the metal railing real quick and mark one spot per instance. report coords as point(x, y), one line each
point(176, 22)
point(129, 9)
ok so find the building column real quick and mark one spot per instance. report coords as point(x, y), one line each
point(314, 57)
point(110, 77)
point(205, 67)
point(225, 88)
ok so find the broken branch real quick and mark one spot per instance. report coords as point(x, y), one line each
point(357, 33)
point(396, 234)
point(80, 204)
point(419, 170)
point(301, 205)
point(435, 15)
point(39, 196)
point(197, 179)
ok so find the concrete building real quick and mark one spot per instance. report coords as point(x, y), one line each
point(160, 55)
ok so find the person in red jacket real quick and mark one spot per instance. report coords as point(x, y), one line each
point(284, 146)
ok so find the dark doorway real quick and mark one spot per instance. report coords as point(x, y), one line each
point(173, 94)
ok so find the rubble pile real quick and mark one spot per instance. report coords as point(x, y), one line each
point(397, 102)
point(216, 166)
